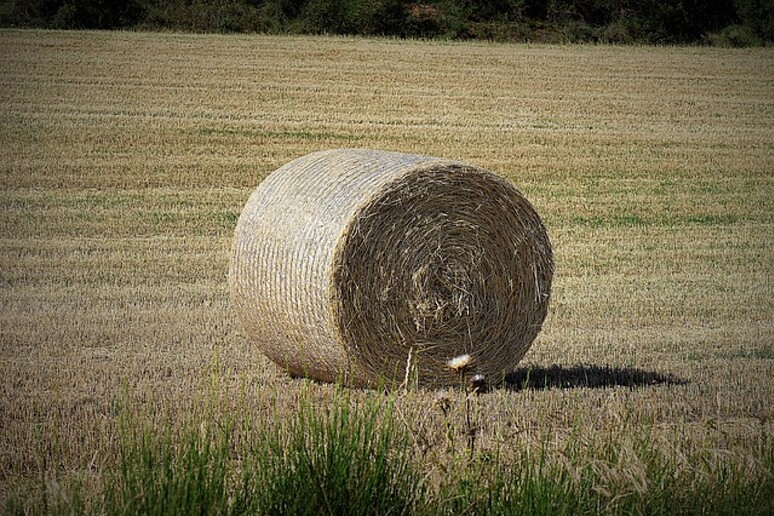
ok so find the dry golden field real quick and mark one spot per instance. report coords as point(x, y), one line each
point(126, 158)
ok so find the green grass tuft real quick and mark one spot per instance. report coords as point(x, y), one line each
point(161, 474)
point(341, 460)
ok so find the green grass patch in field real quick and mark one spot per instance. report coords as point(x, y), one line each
point(637, 221)
point(280, 135)
point(614, 221)
point(764, 352)
point(712, 220)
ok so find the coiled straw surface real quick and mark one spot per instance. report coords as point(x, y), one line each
point(362, 265)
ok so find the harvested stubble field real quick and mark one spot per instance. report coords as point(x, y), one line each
point(127, 158)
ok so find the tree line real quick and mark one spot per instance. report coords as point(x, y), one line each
point(715, 22)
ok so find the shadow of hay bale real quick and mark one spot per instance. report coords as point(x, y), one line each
point(588, 376)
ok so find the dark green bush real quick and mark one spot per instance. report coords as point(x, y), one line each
point(758, 15)
point(735, 36)
point(577, 32)
point(617, 32)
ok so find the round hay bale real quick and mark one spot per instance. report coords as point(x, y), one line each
point(371, 266)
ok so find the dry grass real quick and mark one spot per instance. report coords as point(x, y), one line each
point(127, 157)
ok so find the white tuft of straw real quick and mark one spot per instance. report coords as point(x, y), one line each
point(460, 363)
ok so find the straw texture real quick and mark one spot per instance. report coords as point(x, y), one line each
point(362, 265)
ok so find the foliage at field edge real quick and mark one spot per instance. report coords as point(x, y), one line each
point(356, 457)
point(717, 22)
